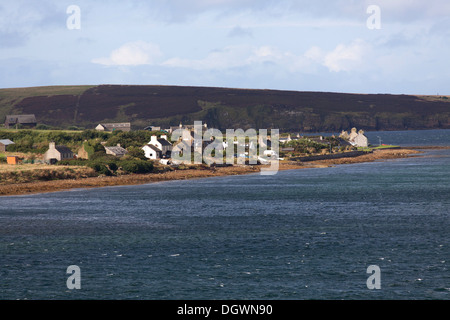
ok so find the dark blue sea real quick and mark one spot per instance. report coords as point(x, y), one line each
point(300, 234)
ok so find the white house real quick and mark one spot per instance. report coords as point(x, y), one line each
point(57, 153)
point(157, 147)
point(152, 152)
point(360, 140)
point(352, 134)
point(355, 138)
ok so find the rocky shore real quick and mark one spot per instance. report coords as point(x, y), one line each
point(136, 179)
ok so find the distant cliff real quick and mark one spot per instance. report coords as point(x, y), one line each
point(222, 108)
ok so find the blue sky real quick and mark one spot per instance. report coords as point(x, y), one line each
point(264, 44)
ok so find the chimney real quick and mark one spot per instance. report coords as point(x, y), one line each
point(118, 144)
point(153, 139)
point(51, 145)
point(163, 136)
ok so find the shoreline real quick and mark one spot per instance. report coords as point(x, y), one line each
point(37, 187)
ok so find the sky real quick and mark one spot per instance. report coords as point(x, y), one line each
point(353, 46)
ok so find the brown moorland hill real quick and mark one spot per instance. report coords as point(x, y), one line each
point(227, 108)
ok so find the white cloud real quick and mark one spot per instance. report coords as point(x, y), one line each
point(346, 57)
point(238, 56)
point(132, 54)
point(228, 57)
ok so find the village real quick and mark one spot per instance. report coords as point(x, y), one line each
point(162, 150)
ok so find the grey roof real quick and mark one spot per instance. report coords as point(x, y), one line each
point(117, 150)
point(22, 118)
point(117, 125)
point(63, 149)
point(154, 148)
point(6, 142)
point(164, 142)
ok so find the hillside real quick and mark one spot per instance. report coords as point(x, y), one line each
point(86, 106)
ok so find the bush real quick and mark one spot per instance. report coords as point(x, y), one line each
point(113, 166)
point(137, 166)
point(136, 152)
point(43, 127)
point(97, 155)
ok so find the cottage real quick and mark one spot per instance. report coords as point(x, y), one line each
point(158, 148)
point(57, 153)
point(116, 151)
point(4, 144)
point(24, 120)
point(360, 140)
point(355, 138)
point(152, 152)
point(110, 127)
point(162, 144)
point(344, 135)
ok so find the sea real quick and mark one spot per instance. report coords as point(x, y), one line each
point(377, 230)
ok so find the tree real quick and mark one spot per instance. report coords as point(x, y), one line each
point(137, 153)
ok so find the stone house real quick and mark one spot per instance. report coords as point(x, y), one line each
point(57, 153)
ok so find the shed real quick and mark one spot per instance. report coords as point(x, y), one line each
point(12, 159)
point(4, 144)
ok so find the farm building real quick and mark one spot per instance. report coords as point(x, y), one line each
point(125, 126)
point(25, 120)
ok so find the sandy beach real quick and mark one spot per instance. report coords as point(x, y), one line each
point(136, 179)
